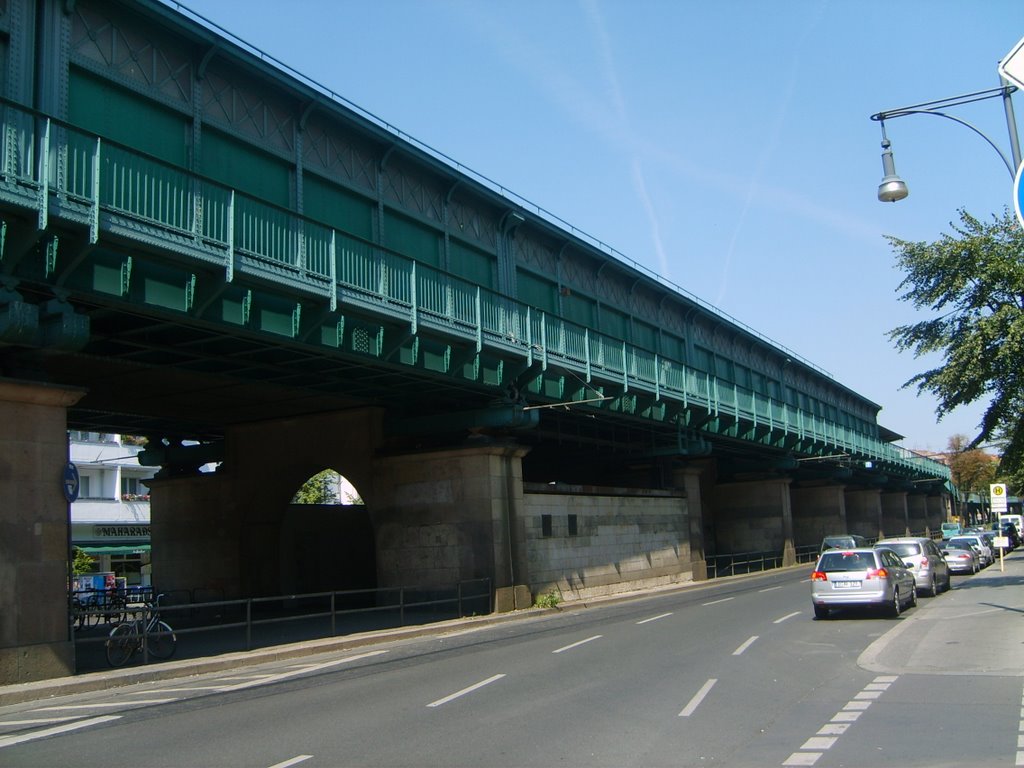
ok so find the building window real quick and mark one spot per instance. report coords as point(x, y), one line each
point(573, 529)
point(545, 525)
point(132, 489)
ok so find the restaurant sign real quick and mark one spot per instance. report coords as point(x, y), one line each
point(120, 531)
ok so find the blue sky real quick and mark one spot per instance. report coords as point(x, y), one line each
point(725, 145)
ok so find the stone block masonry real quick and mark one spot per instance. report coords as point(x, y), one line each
point(586, 541)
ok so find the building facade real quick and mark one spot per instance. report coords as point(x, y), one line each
point(110, 519)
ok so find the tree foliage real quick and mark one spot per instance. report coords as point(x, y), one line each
point(81, 562)
point(321, 488)
point(972, 469)
point(972, 284)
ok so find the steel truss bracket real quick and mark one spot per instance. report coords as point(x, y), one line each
point(51, 256)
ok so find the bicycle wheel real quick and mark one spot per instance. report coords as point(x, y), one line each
point(121, 644)
point(162, 646)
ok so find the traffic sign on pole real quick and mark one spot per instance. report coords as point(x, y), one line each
point(70, 482)
point(1017, 191)
point(1012, 65)
point(997, 494)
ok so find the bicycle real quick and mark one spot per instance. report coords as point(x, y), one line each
point(145, 633)
point(115, 607)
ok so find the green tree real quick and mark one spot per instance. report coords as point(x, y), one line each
point(972, 469)
point(321, 488)
point(972, 283)
point(81, 562)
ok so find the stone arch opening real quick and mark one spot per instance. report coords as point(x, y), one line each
point(327, 541)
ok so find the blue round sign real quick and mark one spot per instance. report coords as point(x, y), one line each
point(70, 482)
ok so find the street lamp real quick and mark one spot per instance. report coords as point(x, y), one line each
point(893, 188)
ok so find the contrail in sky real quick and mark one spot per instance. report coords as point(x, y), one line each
point(619, 105)
point(766, 151)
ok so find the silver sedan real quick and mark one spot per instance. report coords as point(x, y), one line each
point(961, 559)
point(865, 577)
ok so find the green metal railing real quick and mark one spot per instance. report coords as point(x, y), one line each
point(55, 169)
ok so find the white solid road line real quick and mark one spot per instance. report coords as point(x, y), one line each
point(690, 708)
point(464, 691)
point(577, 644)
point(745, 645)
point(10, 741)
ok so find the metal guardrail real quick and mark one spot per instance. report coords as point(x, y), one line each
point(742, 562)
point(52, 168)
point(294, 618)
point(753, 562)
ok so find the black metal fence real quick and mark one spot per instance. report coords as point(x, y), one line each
point(208, 627)
point(751, 562)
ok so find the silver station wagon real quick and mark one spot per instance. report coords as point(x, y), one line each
point(862, 577)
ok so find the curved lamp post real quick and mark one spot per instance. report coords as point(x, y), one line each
point(893, 188)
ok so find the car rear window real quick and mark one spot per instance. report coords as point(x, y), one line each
point(846, 561)
point(839, 541)
point(904, 549)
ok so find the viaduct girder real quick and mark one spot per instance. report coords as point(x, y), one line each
point(184, 306)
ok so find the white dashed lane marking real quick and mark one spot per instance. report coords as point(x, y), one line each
point(716, 602)
point(654, 618)
point(745, 645)
point(577, 644)
point(464, 691)
point(690, 708)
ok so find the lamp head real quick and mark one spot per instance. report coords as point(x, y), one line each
point(892, 188)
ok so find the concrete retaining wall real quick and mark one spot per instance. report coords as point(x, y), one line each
point(624, 540)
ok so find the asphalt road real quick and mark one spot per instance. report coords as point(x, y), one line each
point(734, 673)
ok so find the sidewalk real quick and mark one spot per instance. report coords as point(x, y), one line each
point(977, 628)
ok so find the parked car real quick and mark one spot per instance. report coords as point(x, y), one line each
point(1010, 531)
point(990, 539)
point(951, 529)
point(861, 577)
point(975, 540)
point(960, 560)
point(843, 541)
point(924, 558)
point(1016, 520)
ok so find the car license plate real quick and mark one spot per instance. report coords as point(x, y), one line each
point(845, 585)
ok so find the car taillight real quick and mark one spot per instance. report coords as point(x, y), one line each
point(924, 565)
point(880, 573)
point(819, 576)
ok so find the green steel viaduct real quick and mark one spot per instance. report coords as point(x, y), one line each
point(203, 247)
